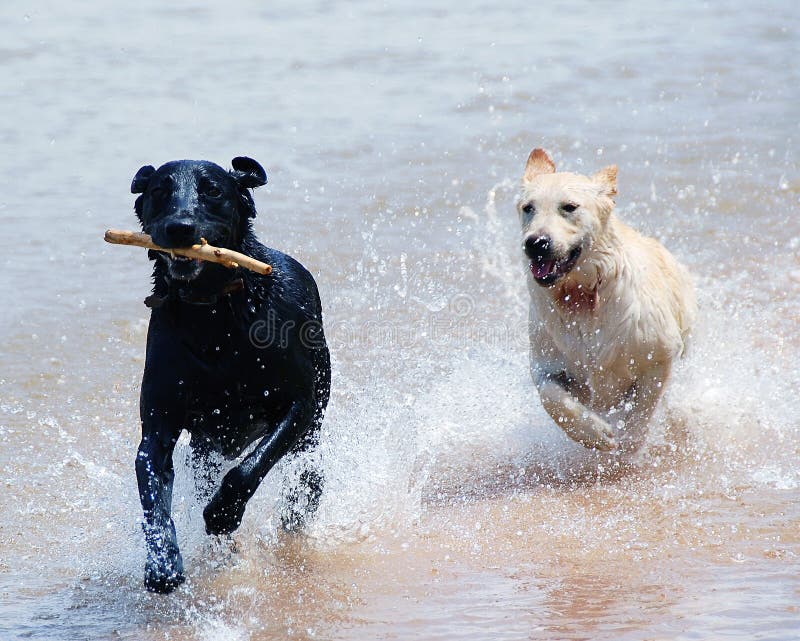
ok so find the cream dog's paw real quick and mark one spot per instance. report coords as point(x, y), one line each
point(594, 433)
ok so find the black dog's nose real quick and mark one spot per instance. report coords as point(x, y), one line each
point(181, 232)
point(537, 246)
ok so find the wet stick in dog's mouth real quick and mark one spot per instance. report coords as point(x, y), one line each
point(203, 251)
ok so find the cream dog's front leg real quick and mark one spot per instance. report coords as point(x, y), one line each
point(578, 422)
point(634, 413)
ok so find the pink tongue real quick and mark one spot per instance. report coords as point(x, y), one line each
point(540, 270)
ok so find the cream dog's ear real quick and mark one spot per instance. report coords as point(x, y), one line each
point(607, 179)
point(538, 163)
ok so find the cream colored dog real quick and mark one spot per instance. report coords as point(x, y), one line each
point(610, 308)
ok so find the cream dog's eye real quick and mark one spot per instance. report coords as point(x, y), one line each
point(528, 208)
point(569, 207)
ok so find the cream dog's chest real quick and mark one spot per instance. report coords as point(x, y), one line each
point(607, 356)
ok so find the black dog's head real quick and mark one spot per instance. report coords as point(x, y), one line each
point(186, 200)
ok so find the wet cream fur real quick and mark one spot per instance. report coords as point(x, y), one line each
point(604, 336)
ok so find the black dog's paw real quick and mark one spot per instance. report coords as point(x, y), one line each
point(292, 519)
point(223, 516)
point(163, 574)
point(300, 501)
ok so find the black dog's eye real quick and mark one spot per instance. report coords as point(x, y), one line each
point(213, 192)
point(569, 207)
point(528, 208)
point(156, 192)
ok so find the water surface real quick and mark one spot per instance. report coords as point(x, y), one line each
point(394, 135)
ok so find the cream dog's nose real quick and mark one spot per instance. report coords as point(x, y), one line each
point(537, 247)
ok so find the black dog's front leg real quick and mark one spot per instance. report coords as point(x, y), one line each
point(155, 474)
point(224, 512)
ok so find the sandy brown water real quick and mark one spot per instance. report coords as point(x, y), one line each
point(394, 135)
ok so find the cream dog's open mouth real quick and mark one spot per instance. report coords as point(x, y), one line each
point(547, 271)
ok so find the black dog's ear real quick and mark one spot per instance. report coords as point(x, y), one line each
point(248, 173)
point(141, 179)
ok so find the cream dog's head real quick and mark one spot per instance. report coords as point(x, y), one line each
point(562, 214)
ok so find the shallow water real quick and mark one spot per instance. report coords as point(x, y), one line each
point(394, 136)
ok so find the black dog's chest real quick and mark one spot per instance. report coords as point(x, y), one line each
point(228, 389)
point(230, 420)
point(232, 400)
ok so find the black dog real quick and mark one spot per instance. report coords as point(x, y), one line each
point(233, 357)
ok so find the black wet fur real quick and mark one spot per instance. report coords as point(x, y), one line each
point(250, 367)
